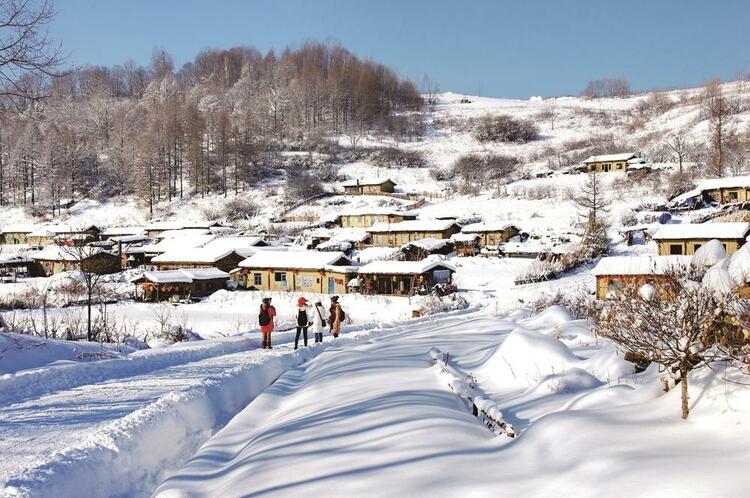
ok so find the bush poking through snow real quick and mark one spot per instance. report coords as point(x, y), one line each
point(506, 129)
point(684, 326)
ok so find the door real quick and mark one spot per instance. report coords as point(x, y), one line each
point(331, 285)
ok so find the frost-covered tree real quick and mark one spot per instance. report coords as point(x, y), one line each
point(593, 205)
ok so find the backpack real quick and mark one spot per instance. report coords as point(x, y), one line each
point(263, 317)
point(302, 318)
point(323, 321)
point(342, 314)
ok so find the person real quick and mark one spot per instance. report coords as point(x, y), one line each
point(303, 320)
point(336, 316)
point(318, 321)
point(266, 321)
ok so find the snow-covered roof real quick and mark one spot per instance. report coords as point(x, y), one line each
point(610, 157)
point(126, 239)
point(734, 230)
point(193, 255)
point(366, 181)
point(17, 229)
point(182, 276)
point(377, 211)
point(121, 231)
point(173, 244)
point(412, 226)
point(464, 237)
point(403, 267)
point(428, 244)
point(53, 230)
point(184, 232)
point(58, 253)
point(304, 260)
point(244, 246)
point(639, 265)
point(486, 226)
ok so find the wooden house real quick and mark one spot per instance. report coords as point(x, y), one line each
point(730, 190)
point(55, 259)
point(419, 250)
point(491, 233)
point(199, 257)
point(398, 234)
point(365, 218)
point(298, 271)
point(13, 265)
point(608, 162)
point(165, 285)
point(15, 234)
point(466, 244)
point(369, 186)
point(686, 238)
point(404, 278)
point(614, 274)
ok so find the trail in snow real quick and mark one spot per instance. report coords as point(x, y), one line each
point(122, 434)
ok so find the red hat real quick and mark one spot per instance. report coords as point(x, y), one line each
point(301, 301)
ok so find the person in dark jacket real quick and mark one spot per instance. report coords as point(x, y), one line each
point(303, 320)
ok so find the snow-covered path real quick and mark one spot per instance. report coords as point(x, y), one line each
point(133, 428)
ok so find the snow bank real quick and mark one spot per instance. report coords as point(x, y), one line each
point(709, 254)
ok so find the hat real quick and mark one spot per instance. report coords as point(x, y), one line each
point(267, 300)
point(335, 299)
point(301, 301)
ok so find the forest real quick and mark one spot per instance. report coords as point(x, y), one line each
point(215, 125)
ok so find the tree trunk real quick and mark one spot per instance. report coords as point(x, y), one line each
point(684, 389)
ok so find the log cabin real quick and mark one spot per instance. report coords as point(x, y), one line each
point(616, 273)
point(398, 234)
point(404, 278)
point(199, 257)
point(491, 233)
point(608, 162)
point(686, 238)
point(165, 285)
point(365, 218)
point(369, 186)
point(55, 259)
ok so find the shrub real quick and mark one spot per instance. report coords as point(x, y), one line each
point(239, 208)
point(506, 129)
point(392, 156)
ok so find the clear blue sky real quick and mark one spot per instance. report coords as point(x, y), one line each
point(506, 48)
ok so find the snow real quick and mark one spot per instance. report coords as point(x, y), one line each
point(739, 265)
point(640, 265)
point(611, 157)
point(365, 181)
point(428, 244)
point(57, 253)
point(304, 260)
point(719, 281)
point(193, 255)
point(734, 230)
point(187, 275)
point(709, 254)
point(403, 267)
point(486, 227)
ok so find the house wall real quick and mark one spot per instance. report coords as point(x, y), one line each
point(226, 264)
point(607, 283)
point(606, 166)
point(99, 264)
point(493, 238)
point(689, 246)
point(294, 280)
point(368, 220)
point(397, 239)
point(15, 238)
point(386, 187)
point(730, 195)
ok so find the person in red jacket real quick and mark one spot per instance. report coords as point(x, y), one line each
point(266, 321)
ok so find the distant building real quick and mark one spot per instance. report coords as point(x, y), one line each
point(369, 186)
point(619, 273)
point(720, 190)
point(15, 234)
point(609, 162)
point(55, 259)
point(491, 233)
point(199, 257)
point(298, 271)
point(179, 284)
point(398, 234)
point(365, 218)
point(403, 278)
point(685, 239)
point(467, 244)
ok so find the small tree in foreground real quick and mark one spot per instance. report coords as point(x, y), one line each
point(681, 325)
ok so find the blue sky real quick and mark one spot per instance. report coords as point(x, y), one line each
point(501, 48)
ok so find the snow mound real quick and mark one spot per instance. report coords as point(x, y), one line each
point(647, 292)
point(739, 265)
point(572, 380)
point(719, 281)
point(554, 315)
point(524, 358)
point(602, 398)
point(709, 254)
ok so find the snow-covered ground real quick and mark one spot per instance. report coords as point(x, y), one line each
point(375, 419)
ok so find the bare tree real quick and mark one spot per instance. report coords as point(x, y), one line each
point(679, 144)
point(25, 47)
point(87, 260)
point(719, 110)
point(430, 89)
point(678, 324)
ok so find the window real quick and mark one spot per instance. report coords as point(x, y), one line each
point(613, 285)
point(675, 249)
point(733, 196)
point(725, 247)
point(257, 279)
point(279, 276)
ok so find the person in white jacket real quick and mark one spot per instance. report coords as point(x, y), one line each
point(319, 323)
